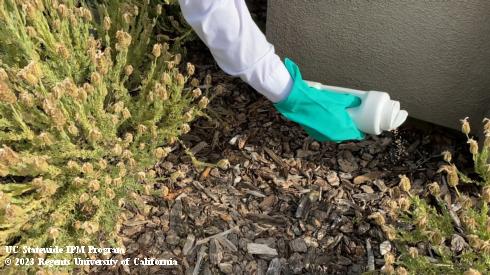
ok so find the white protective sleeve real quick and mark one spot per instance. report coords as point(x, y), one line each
point(238, 45)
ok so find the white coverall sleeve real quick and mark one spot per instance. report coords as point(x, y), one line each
point(238, 45)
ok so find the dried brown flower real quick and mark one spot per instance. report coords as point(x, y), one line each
point(87, 168)
point(94, 135)
point(95, 201)
point(389, 231)
point(128, 70)
point(63, 10)
point(471, 271)
point(434, 189)
point(107, 23)
point(436, 237)
point(62, 51)
point(185, 128)
point(177, 59)
point(195, 82)
point(123, 40)
point(31, 73)
point(474, 241)
point(83, 198)
point(141, 129)
point(413, 252)
point(90, 227)
point(404, 203)
point(196, 93)
point(53, 232)
point(473, 146)
point(452, 172)
point(127, 17)
point(95, 78)
point(389, 258)
point(401, 271)
point(161, 91)
point(485, 194)
point(203, 103)
point(94, 185)
point(180, 79)
point(157, 50)
point(190, 69)
point(73, 130)
point(126, 113)
point(219, 89)
point(8, 156)
point(31, 32)
point(3, 75)
point(6, 95)
point(405, 184)
point(378, 218)
point(465, 126)
point(110, 193)
point(223, 164)
point(421, 221)
point(447, 156)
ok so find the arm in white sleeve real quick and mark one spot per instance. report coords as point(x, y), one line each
point(238, 45)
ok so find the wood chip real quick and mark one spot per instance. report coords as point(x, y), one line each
point(134, 223)
point(298, 245)
point(368, 189)
point(367, 197)
point(198, 147)
point(215, 252)
point(226, 268)
point(263, 218)
point(234, 140)
point(381, 185)
point(368, 177)
point(333, 179)
point(189, 244)
point(284, 168)
point(255, 193)
point(275, 267)
point(268, 202)
point(222, 234)
point(370, 256)
point(200, 256)
point(260, 249)
point(199, 186)
point(227, 244)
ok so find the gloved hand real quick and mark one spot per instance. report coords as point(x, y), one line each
point(321, 113)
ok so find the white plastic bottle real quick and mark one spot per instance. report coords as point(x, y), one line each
point(377, 112)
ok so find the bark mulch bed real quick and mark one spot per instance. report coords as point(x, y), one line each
point(286, 204)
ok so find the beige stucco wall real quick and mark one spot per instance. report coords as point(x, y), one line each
point(432, 55)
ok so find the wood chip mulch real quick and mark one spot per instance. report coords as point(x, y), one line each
point(286, 204)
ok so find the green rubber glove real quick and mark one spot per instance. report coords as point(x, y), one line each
point(321, 113)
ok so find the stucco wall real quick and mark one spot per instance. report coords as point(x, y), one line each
point(432, 55)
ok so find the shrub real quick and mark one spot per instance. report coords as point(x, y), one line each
point(90, 95)
point(446, 234)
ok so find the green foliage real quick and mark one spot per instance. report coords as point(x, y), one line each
point(437, 234)
point(90, 94)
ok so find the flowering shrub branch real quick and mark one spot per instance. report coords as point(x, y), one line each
point(441, 233)
point(90, 94)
